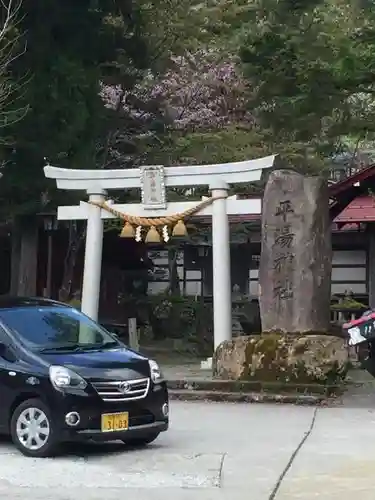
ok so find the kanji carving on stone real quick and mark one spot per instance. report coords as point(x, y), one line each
point(284, 208)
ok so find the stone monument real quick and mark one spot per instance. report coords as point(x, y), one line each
point(295, 264)
point(294, 346)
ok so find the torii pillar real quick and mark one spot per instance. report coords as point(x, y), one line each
point(217, 177)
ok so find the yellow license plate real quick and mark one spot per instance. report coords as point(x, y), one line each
point(112, 422)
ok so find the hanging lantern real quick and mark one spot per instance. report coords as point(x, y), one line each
point(179, 229)
point(153, 236)
point(127, 231)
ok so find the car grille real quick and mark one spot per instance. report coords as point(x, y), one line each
point(124, 390)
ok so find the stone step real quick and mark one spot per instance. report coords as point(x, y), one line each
point(250, 397)
point(249, 387)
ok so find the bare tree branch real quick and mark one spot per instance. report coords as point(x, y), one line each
point(11, 48)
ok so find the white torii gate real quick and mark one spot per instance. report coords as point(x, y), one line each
point(217, 177)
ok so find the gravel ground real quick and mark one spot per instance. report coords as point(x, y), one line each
point(215, 451)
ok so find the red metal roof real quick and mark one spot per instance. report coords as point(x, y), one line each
point(344, 185)
point(361, 209)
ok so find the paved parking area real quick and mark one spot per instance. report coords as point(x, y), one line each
point(214, 451)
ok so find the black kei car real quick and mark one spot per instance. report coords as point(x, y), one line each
point(64, 378)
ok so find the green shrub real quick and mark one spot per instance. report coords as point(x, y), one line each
point(175, 317)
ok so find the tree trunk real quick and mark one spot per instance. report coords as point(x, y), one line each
point(28, 261)
point(16, 256)
point(174, 281)
point(76, 238)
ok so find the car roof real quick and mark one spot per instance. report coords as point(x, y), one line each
point(10, 302)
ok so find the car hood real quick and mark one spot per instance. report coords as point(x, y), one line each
point(111, 364)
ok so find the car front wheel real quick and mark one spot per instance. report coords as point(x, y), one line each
point(141, 441)
point(32, 429)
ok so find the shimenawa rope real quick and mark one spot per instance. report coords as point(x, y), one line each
point(168, 220)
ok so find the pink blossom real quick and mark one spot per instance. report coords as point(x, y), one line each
point(200, 91)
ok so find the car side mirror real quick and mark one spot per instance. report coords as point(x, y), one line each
point(6, 353)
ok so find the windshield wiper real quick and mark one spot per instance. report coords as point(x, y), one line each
point(80, 347)
point(69, 348)
point(98, 347)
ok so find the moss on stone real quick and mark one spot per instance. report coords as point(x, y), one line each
point(274, 357)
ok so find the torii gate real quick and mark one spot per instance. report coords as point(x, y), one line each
point(153, 182)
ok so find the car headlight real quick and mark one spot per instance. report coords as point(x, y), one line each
point(156, 374)
point(64, 378)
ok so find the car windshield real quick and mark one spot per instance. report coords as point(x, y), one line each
point(44, 328)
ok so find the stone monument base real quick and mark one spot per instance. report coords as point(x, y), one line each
point(272, 357)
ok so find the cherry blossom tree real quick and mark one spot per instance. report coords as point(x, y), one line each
point(201, 96)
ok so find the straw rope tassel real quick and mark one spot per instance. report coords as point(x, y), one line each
point(128, 231)
point(152, 236)
point(179, 229)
